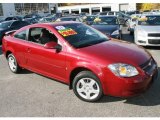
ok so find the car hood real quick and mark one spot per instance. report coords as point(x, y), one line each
point(150, 29)
point(109, 29)
point(116, 51)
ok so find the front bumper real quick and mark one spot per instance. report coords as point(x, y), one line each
point(135, 88)
point(127, 87)
point(147, 40)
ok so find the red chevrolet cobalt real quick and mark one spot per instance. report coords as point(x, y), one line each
point(82, 57)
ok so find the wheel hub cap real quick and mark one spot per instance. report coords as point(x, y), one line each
point(88, 88)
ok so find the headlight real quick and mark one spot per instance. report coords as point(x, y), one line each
point(123, 70)
point(115, 32)
point(141, 33)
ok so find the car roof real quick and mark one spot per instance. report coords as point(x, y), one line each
point(9, 21)
point(54, 24)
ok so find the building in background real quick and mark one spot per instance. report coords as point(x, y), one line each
point(91, 8)
point(10, 9)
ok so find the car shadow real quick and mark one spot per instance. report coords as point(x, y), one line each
point(150, 98)
point(152, 47)
point(25, 71)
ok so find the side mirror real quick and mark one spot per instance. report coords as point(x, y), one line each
point(50, 45)
point(58, 47)
point(53, 45)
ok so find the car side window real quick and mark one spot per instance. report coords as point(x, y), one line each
point(15, 23)
point(41, 36)
point(21, 35)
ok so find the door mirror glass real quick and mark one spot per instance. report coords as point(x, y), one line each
point(53, 45)
point(50, 45)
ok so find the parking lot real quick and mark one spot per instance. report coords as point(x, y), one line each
point(29, 94)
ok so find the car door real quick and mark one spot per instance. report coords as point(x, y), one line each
point(20, 39)
point(48, 62)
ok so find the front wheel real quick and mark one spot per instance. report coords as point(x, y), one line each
point(13, 65)
point(87, 86)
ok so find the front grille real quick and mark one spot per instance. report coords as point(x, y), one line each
point(154, 34)
point(149, 66)
point(154, 41)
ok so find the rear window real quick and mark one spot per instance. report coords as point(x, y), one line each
point(21, 35)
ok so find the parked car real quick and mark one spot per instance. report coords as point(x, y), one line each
point(10, 25)
point(103, 13)
point(112, 13)
point(147, 31)
point(46, 20)
point(2, 19)
point(82, 14)
point(82, 57)
point(14, 18)
point(70, 18)
point(109, 25)
point(95, 13)
point(31, 20)
point(89, 19)
point(129, 13)
point(32, 16)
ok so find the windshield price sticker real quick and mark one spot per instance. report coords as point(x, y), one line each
point(143, 19)
point(60, 27)
point(97, 20)
point(67, 32)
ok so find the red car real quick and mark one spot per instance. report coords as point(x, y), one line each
point(82, 57)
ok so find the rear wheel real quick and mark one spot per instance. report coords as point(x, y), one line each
point(87, 86)
point(13, 65)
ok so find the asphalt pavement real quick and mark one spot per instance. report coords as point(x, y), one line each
point(31, 95)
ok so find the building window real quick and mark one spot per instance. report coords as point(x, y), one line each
point(1, 10)
point(28, 8)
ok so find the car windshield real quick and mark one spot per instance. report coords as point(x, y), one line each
point(5, 24)
point(79, 35)
point(149, 20)
point(106, 21)
point(68, 19)
point(90, 18)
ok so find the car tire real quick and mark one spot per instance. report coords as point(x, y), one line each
point(12, 63)
point(87, 86)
